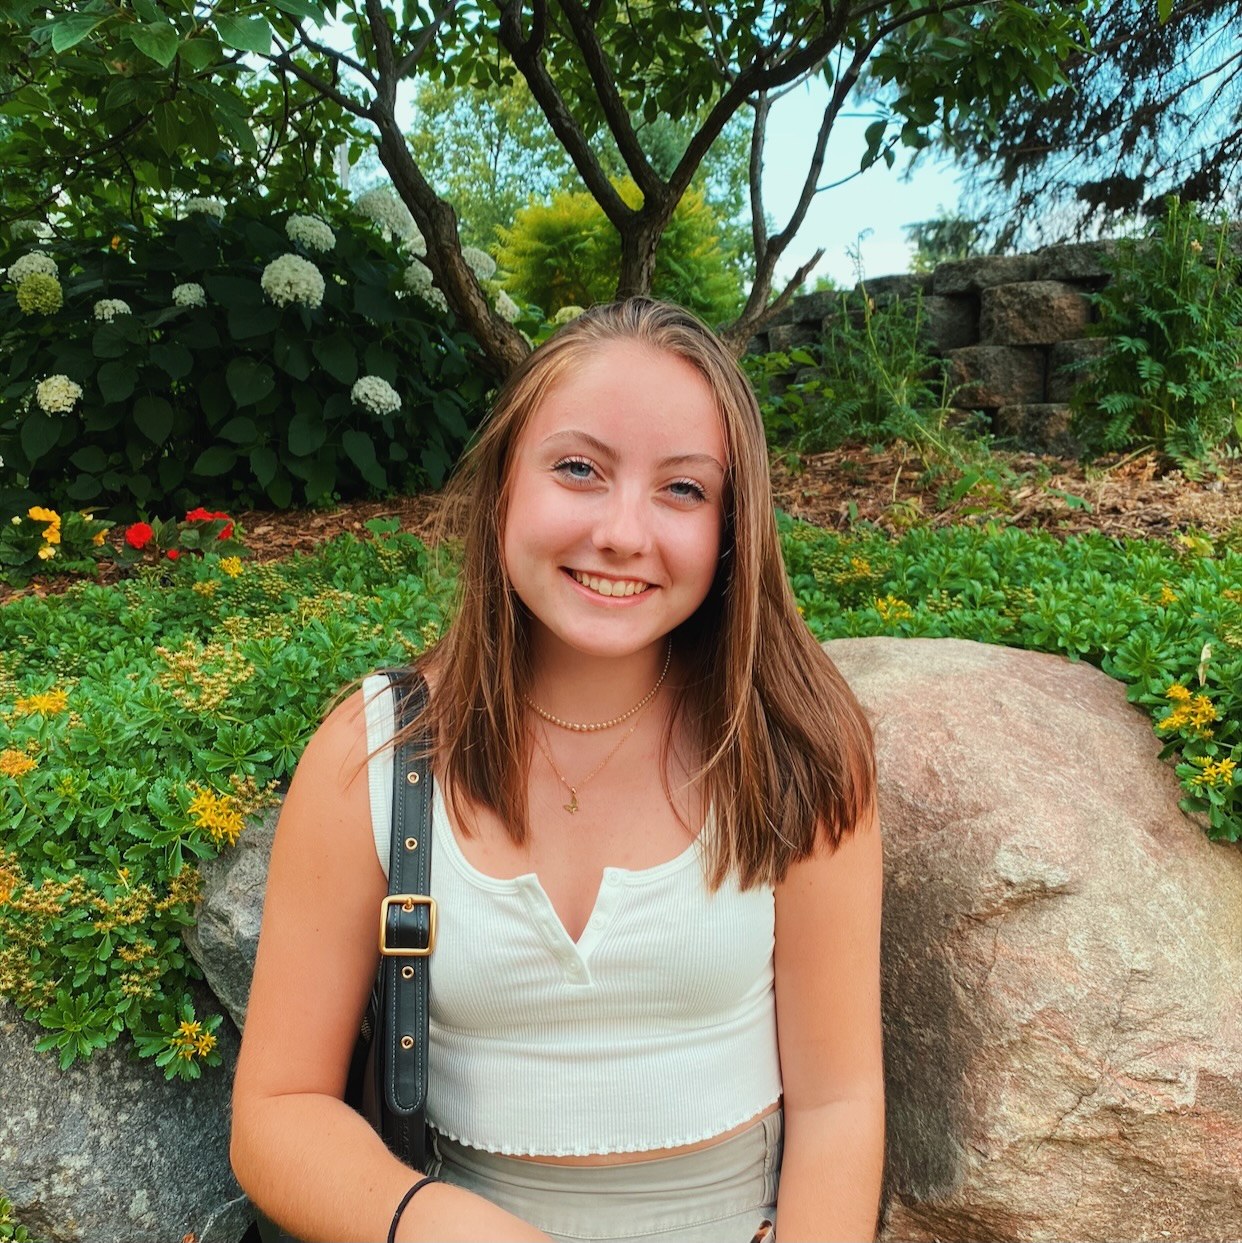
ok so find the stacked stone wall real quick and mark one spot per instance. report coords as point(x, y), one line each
point(1014, 329)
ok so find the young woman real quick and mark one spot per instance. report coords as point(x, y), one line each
point(655, 992)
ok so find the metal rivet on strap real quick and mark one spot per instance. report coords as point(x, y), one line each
point(412, 778)
point(411, 843)
point(407, 973)
point(407, 1042)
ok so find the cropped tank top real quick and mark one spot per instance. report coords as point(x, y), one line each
point(656, 1028)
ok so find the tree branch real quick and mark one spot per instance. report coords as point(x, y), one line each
point(526, 56)
point(415, 54)
point(739, 333)
point(616, 115)
point(385, 56)
point(758, 134)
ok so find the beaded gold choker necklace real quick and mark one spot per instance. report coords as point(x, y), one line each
point(592, 727)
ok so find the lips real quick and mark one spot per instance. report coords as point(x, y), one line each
point(609, 586)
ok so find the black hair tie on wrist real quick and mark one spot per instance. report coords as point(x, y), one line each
point(405, 1199)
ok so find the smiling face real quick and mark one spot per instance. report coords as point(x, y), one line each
point(615, 502)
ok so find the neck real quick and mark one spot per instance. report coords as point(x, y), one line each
point(584, 688)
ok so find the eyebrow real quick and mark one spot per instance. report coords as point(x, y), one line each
point(605, 451)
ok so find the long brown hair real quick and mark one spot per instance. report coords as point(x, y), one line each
point(785, 750)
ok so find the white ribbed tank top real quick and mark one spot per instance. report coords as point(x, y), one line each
point(657, 1028)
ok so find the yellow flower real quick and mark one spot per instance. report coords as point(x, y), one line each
point(1177, 691)
point(232, 566)
point(1167, 595)
point(46, 704)
point(890, 608)
point(16, 763)
point(98, 538)
point(47, 552)
point(204, 1044)
point(219, 814)
point(190, 1028)
point(39, 514)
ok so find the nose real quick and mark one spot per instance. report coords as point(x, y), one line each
point(623, 525)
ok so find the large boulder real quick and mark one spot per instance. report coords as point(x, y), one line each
point(1032, 313)
point(986, 377)
point(109, 1151)
point(1062, 957)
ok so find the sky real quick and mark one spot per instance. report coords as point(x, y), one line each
point(866, 213)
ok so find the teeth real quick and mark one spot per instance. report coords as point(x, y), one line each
point(608, 586)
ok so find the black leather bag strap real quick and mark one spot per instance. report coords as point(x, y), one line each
point(408, 936)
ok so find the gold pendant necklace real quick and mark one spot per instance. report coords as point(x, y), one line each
point(592, 727)
point(572, 806)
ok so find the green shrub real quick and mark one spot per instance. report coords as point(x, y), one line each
point(218, 361)
point(876, 381)
point(1167, 624)
point(140, 724)
point(566, 253)
point(1171, 373)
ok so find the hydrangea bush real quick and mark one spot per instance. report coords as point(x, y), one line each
point(215, 360)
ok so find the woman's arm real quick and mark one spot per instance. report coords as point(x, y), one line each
point(306, 1159)
point(828, 1026)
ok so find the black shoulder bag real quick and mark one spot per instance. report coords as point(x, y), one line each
point(387, 1080)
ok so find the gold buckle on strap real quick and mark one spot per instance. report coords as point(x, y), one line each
point(407, 901)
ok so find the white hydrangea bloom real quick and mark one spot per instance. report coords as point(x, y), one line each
point(58, 394)
point(566, 313)
point(108, 309)
point(292, 279)
point(375, 394)
point(436, 299)
point(31, 228)
point(506, 308)
point(417, 243)
point(189, 294)
point(208, 207)
point(382, 206)
point(479, 262)
point(311, 232)
point(30, 264)
point(417, 278)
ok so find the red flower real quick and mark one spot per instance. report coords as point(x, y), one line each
point(202, 515)
point(174, 553)
point(138, 535)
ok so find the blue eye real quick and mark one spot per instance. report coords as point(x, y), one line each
point(688, 490)
point(575, 468)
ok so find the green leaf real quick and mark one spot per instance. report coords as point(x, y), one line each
point(110, 341)
point(249, 381)
point(231, 291)
point(360, 449)
point(216, 460)
point(280, 492)
point(338, 357)
point(40, 432)
point(70, 31)
point(116, 381)
point(252, 321)
point(301, 8)
point(291, 357)
point(240, 430)
point(92, 458)
point(307, 432)
point(159, 42)
point(200, 51)
point(1163, 9)
point(154, 417)
point(174, 360)
point(167, 127)
point(247, 34)
point(263, 463)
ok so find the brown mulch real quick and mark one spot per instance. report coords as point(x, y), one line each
point(1132, 497)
